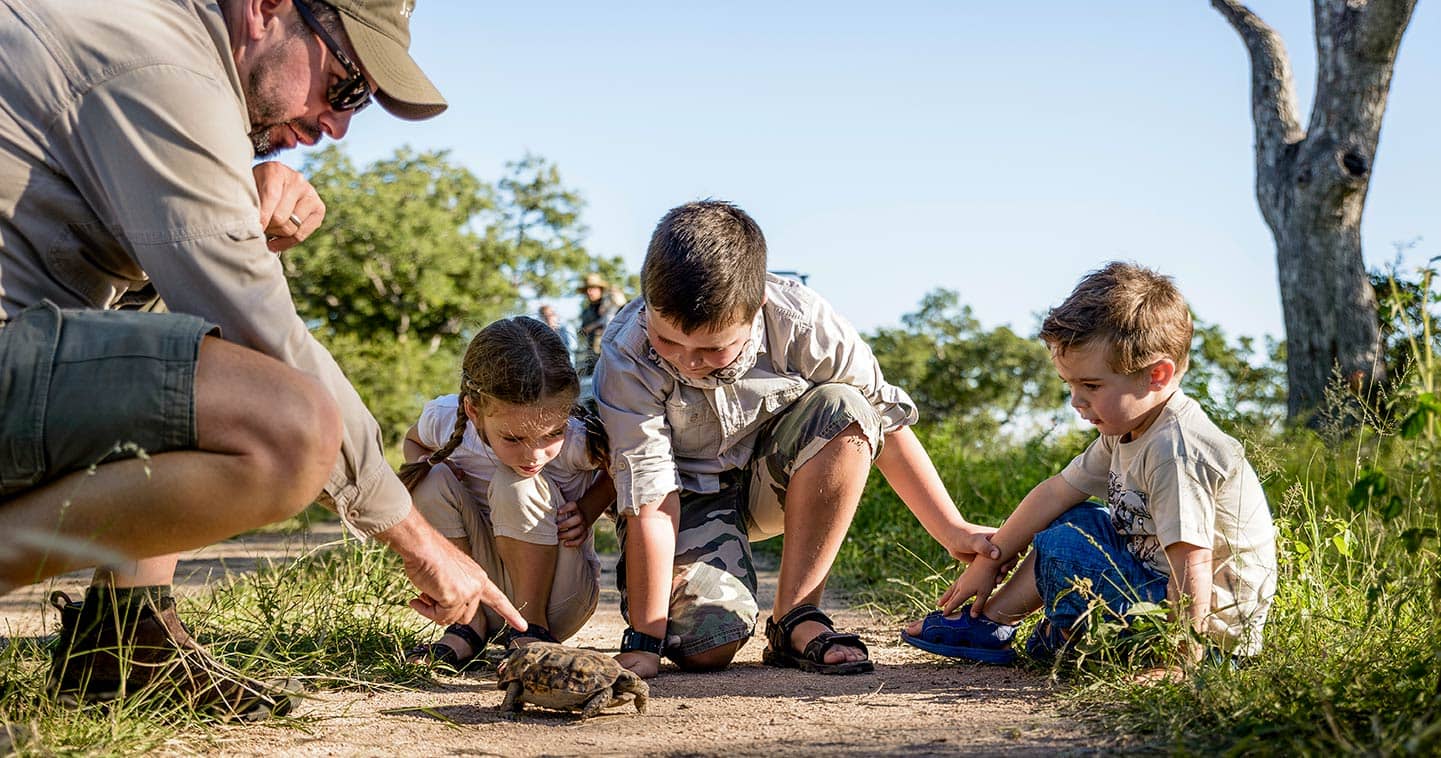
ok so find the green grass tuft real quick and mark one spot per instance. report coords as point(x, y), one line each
point(336, 618)
point(1352, 658)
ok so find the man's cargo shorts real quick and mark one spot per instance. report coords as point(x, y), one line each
point(83, 387)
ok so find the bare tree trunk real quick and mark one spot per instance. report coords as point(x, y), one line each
point(1311, 183)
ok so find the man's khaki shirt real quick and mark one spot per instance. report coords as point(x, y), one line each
point(125, 160)
point(666, 435)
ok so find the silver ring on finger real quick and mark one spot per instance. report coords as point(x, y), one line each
point(294, 219)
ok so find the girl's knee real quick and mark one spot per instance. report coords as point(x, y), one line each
point(440, 497)
point(440, 482)
point(571, 606)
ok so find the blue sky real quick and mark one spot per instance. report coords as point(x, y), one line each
point(998, 149)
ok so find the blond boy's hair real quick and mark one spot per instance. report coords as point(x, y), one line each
point(1134, 311)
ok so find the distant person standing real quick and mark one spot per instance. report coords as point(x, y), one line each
point(594, 316)
point(549, 317)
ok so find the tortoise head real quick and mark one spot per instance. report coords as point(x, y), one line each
point(509, 669)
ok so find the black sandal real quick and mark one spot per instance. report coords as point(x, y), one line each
point(779, 652)
point(441, 655)
point(508, 636)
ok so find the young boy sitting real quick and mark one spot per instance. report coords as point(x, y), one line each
point(740, 405)
point(1184, 519)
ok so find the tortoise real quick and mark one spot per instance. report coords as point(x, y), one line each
point(568, 679)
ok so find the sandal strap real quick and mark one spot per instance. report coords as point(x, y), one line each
point(778, 631)
point(534, 631)
point(468, 633)
point(60, 600)
point(802, 613)
point(816, 648)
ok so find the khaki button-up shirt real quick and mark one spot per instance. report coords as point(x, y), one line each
point(125, 160)
point(666, 435)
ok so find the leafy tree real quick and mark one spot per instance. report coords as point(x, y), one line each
point(955, 369)
point(398, 257)
point(416, 253)
point(1240, 384)
point(394, 377)
point(539, 219)
point(1312, 179)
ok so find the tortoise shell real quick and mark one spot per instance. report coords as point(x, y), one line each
point(567, 678)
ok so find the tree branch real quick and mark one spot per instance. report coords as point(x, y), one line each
point(1379, 28)
point(1273, 92)
point(1356, 46)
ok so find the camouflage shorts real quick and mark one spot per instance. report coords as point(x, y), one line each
point(713, 593)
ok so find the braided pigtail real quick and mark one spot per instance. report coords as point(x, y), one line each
point(413, 473)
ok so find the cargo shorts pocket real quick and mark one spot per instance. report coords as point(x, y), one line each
point(28, 344)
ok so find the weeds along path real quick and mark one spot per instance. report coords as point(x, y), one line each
point(25, 612)
point(913, 704)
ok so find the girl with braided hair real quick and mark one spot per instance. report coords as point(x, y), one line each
point(523, 480)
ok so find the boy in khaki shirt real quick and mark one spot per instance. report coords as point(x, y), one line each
point(740, 405)
point(1183, 518)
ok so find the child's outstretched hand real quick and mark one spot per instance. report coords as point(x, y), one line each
point(977, 581)
point(971, 542)
point(643, 665)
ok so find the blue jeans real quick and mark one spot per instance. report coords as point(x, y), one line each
point(1081, 544)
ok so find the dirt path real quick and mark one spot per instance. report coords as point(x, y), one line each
point(913, 704)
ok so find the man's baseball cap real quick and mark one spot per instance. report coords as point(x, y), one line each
point(380, 32)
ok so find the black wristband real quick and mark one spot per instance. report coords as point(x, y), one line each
point(633, 640)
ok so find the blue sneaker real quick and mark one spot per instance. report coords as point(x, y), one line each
point(976, 639)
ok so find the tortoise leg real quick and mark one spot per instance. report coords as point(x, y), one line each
point(512, 701)
point(641, 696)
point(595, 703)
point(637, 687)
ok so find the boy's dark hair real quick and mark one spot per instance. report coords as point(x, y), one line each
point(518, 361)
point(705, 268)
point(1136, 312)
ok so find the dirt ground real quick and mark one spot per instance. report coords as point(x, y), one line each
point(913, 704)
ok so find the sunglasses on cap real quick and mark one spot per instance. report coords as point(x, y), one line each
point(351, 93)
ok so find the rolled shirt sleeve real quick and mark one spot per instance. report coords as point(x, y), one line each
point(631, 400)
point(162, 154)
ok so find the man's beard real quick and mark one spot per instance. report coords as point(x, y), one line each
point(260, 137)
point(266, 113)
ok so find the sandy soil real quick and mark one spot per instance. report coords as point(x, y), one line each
point(913, 704)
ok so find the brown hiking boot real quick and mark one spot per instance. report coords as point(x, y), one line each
point(108, 650)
